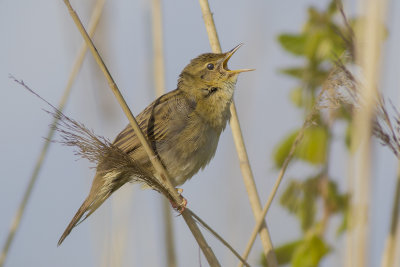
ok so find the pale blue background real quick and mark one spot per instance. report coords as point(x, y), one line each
point(38, 44)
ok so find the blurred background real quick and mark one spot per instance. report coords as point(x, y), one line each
point(39, 44)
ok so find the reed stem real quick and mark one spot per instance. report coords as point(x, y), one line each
point(247, 173)
point(159, 82)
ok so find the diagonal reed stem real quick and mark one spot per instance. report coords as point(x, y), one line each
point(159, 82)
point(261, 218)
point(216, 235)
point(240, 146)
point(298, 139)
point(39, 163)
point(163, 175)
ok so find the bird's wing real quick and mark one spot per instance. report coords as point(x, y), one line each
point(162, 119)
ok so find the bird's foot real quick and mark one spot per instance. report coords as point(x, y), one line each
point(179, 208)
point(182, 207)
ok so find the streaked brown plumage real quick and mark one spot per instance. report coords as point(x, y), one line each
point(182, 126)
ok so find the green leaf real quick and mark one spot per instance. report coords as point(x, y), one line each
point(308, 205)
point(284, 253)
point(283, 148)
point(311, 149)
point(343, 226)
point(332, 8)
point(300, 198)
point(310, 252)
point(292, 196)
point(296, 96)
point(348, 136)
point(296, 72)
point(293, 43)
point(345, 213)
point(307, 212)
point(312, 46)
point(314, 145)
point(310, 76)
point(336, 202)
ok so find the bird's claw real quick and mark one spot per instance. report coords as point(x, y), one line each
point(179, 208)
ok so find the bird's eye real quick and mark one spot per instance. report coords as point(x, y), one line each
point(210, 66)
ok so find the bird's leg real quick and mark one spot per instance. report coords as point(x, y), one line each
point(179, 208)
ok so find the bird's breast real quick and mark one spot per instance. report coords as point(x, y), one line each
point(192, 150)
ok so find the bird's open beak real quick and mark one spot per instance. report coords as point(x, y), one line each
point(228, 56)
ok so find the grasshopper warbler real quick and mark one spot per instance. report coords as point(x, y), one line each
point(182, 126)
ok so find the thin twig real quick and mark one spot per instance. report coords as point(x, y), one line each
point(163, 175)
point(239, 143)
point(299, 137)
point(282, 172)
point(39, 162)
point(349, 38)
point(201, 241)
point(159, 82)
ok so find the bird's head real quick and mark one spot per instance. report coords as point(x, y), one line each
point(209, 83)
point(208, 76)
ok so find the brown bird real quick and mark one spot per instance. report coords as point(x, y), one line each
point(182, 126)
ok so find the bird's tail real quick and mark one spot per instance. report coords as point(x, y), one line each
point(103, 186)
point(77, 218)
point(90, 204)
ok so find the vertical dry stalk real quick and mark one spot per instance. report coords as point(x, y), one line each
point(239, 143)
point(39, 162)
point(159, 82)
point(158, 46)
point(388, 258)
point(114, 247)
point(169, 241)
point(396, 260)
point(368, 57)
point(163, 175)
